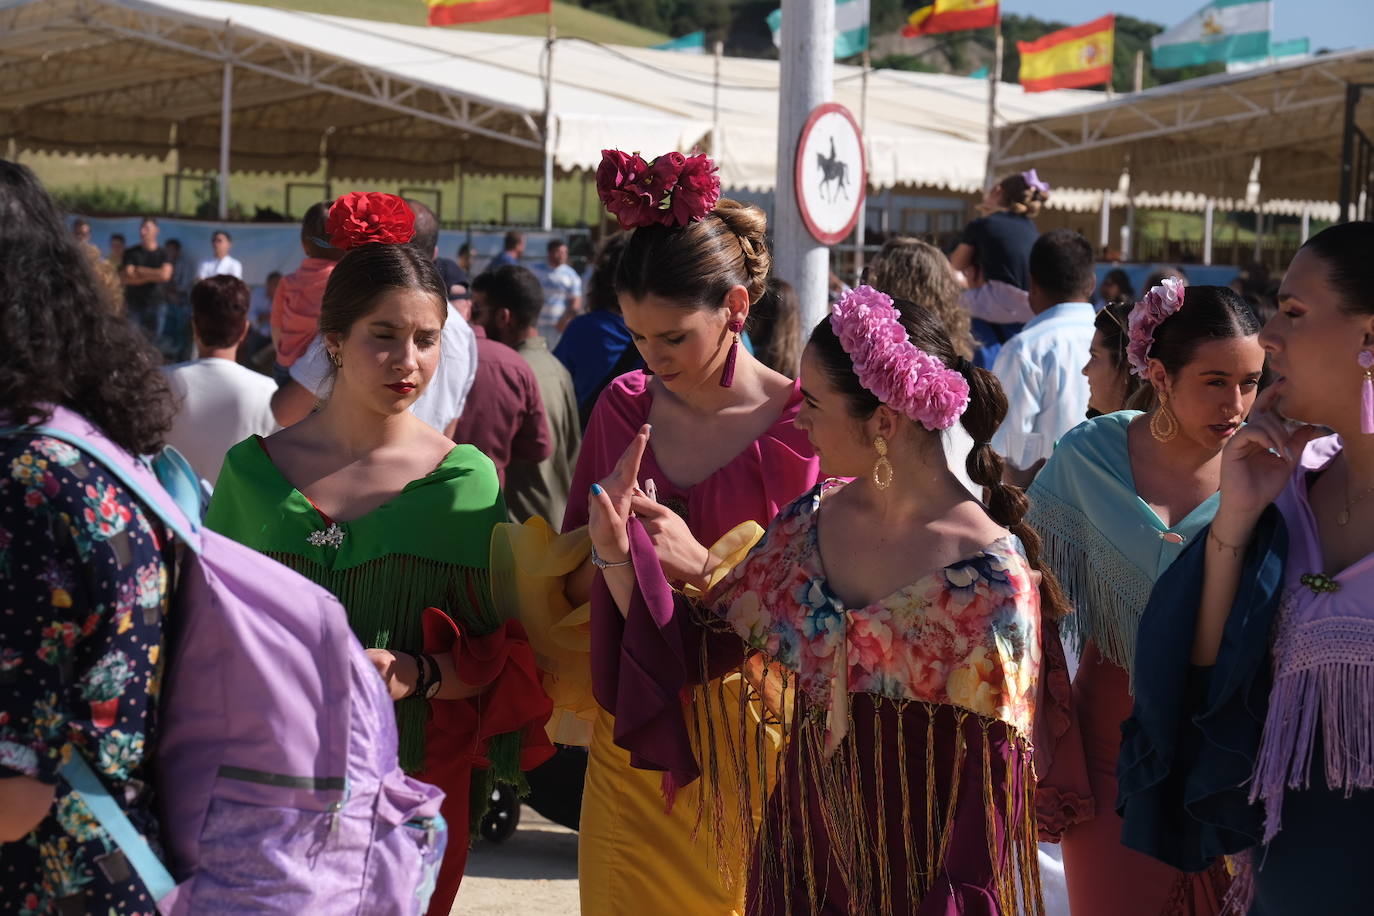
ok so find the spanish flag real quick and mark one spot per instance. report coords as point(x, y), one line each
point(934, 16)
point(452, 12)
point(1071, 58)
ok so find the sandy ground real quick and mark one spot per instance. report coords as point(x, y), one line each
point(534, 873)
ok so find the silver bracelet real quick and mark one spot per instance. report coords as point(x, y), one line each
point(602, 564)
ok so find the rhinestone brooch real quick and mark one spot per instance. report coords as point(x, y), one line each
point(1320, 582)
point(330, 537)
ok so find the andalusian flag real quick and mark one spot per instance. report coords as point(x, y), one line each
point(1080, 55)
point(934, 16)
point(451, 12)
point(1222, 30)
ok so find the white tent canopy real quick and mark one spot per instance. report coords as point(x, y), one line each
point(1269, 137)
point(377, 100)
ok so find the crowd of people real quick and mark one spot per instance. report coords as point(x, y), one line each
point(998, 591)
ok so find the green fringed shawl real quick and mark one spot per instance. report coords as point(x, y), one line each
point(428, 546)
point(1106, 545)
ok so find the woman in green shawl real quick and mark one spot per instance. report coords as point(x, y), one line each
point(395, 520)
point(1116, 504)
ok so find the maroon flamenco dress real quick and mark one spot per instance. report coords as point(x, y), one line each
point(906, 777)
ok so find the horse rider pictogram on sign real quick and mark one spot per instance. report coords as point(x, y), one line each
point(831, 174)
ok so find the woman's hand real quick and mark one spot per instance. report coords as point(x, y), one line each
point(683, 559)
point(1256, 465)
point(398, 672)
point(609, 507)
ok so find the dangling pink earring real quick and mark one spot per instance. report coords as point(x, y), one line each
point(727, 374)
point(1367, 393)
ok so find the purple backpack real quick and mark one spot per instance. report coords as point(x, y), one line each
point(276, 761)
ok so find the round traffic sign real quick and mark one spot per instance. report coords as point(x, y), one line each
point(831, 173)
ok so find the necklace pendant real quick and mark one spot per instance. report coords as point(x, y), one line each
point(1343, 518)
point(330, 537)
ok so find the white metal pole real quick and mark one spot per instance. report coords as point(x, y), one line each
point(1139, 70)
point(861, 227)
point(547, 207)
point(807, 57)
point(994, 76)
point(1306, 224)
point(226, 106)
point(1208, 216)
point(1104, 229)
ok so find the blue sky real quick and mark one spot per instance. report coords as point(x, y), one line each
point(1335, 24)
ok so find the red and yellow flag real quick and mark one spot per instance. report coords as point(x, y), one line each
point(935, 16)
point(451, 12)
point(1071, 58)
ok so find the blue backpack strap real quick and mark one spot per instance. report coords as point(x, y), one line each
point(83, 781)
point(133, 473)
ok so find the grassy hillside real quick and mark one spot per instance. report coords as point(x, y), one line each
point(571, 21)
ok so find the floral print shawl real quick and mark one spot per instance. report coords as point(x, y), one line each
point(967, 635)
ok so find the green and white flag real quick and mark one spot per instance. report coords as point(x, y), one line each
point(692, 43)
point(851, 27)
point(1223, 30)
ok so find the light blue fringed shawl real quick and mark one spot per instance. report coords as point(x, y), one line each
point(1106, 545)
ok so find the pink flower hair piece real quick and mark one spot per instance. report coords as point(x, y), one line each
point(1149, 313)
point(672, 190)
point(897, 372)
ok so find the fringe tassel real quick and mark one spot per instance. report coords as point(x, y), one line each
point(809, 782)
point(1339, 696)
point(1107, 608)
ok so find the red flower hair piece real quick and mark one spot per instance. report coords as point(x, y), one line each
point(360, 217)
point(672, 190)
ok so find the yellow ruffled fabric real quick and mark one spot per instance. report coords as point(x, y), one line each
point(530, 564)
point(730, 550)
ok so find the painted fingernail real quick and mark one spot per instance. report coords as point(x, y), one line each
point(596, 489)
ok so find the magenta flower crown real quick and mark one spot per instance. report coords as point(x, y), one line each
point(672, 190)
point(1149, 313)
point(897, 372)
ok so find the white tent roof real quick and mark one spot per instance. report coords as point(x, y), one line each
point(1202, 138)
point(380, 100)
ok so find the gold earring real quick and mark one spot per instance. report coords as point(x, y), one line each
point(1163, 424)
point(882, 469)
point(335, 359)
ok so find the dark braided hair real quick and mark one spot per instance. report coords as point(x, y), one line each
point(63, 341)
point(1006, 504)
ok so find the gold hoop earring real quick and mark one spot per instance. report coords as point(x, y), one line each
point(882, 469)
point(335, 359)
point(1163, 423)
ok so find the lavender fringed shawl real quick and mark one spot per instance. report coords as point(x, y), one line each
point(1323, 662)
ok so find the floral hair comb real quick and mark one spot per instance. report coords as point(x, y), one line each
point(672, 190)
point(1149, 313)
point(360, 217)
point(897, 372)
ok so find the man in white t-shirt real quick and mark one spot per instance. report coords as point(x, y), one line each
point(562, 292)
point(221, 263)
point(219, 402)
point(441, 404)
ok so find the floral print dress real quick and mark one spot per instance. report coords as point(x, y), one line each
point(907, 784)
point(83, 593)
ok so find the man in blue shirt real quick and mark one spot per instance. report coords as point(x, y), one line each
point(511, 251)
